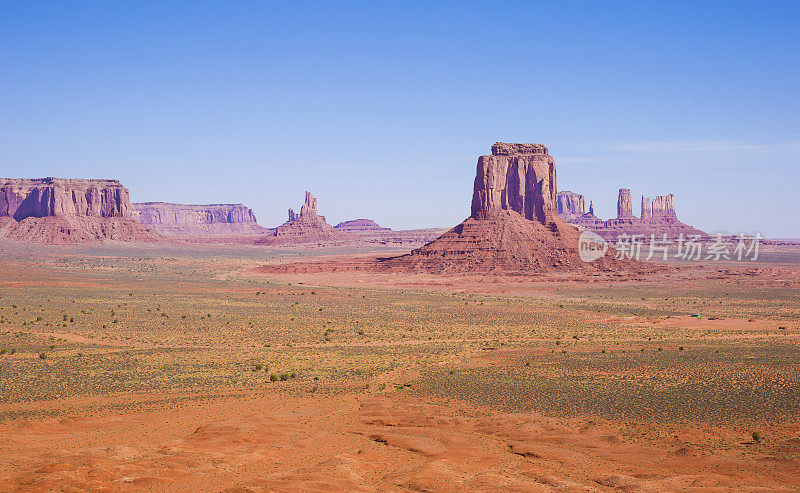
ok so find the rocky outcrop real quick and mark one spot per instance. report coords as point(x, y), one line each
point(647, 211)
point(43, 197)
point(56, 211)
point(664, 209)
point(360, 226)
point(624, 204)
point(515, 177)
point(306, 227)
point(570, 204)
point(657, 217)
point(197, 220)
point(513, 228)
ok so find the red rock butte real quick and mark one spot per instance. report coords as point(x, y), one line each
point(305, 227)
point(657, 217)
point(54, 210)
point(514, 226)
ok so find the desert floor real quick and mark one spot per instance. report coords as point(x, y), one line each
point(182, 368)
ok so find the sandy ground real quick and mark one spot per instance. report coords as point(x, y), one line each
point(375, 432)
point(381, 442)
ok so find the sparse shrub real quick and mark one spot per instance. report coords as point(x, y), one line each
point(284, 377)
point(273, 378)
point(3, 351)
point(293, 375)
point(12, 351)
point(39, 318)
point(42, 356)
point(258, 367)
point(756, 436)
point(680, 348)
point(361, 332)
point(660, 349)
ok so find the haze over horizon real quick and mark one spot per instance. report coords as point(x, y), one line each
point(381, 110)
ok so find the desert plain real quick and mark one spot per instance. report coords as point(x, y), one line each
point(192, 368)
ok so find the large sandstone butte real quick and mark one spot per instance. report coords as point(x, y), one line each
point(305, 227)
point(570, 204)
point(657, 217)
point(197, 220)
point(55, 211)
point(514, 226)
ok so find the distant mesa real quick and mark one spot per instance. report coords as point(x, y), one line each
point(657, 216)
point(360, 226)
point(514, 226)
point(62, 211)
point(197, 220)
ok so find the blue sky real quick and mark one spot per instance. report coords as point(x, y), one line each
point(381, 108)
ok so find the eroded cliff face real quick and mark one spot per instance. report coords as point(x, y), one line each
point(197, 219)
point(514, 226)
point(44, 197)
point(64, 211)
point(664, 208)
point(657, 217)
point(305, 227)
point(624, 204)
point(570, 204)
point(167, 214)
point(516, 177)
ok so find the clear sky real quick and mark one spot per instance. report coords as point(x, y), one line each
point(381, 108)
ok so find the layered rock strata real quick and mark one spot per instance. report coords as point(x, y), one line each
point(57, 211)
point(514, 226)
point(197, 220)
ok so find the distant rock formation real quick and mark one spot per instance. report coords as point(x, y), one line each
point(570, 204)
point(624, 204)
point(43, 197)
point(657, 217)
point(647, 211)
point(514, 226)
point(56, 211)
point(664, 208)
point(360, 226)
point(197, 220)
point(306, 227)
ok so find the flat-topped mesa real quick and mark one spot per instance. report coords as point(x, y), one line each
point(68, 211)
point(45, 197)
point(624, 204)
point(664, 208)
point(211, 220)
point(647, 211)
point(570, 204)
point(515, 177)
point(169, 214)
point(360, 226)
